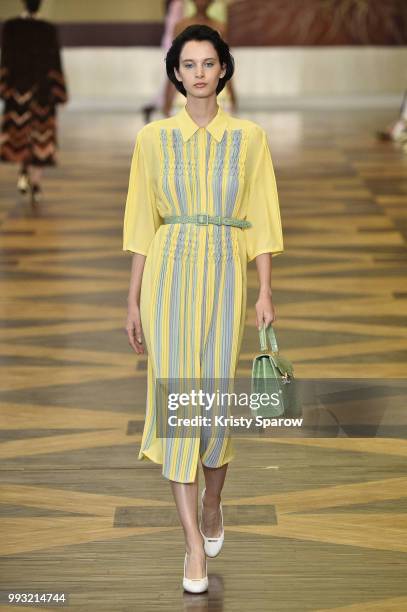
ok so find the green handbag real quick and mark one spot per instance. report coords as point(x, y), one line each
point(273, 374)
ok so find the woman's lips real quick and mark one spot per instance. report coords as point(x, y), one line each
point(200, 85)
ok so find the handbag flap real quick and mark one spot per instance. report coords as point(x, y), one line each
point(283, 364)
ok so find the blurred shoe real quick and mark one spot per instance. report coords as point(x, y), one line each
point(147, 110)
point(394, 132)
point(36, 193)
point(382, 135)
point(399, 129)
point(22, 182)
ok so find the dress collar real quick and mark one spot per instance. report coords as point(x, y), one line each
point(215, 127)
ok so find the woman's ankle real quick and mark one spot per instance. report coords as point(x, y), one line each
point(211, 500)
point(194, 545)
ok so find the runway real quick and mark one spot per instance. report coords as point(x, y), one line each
point(311, 523)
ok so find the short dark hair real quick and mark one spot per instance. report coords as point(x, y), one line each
point(199, 32)
point(32, 6)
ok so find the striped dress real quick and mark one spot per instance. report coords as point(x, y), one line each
point(193, 291)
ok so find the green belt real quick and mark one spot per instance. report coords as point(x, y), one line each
point(205, 219)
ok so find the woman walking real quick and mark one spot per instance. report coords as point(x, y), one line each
point(202, 202)
point(32, 83)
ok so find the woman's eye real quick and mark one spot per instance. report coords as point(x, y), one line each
point(190, 65)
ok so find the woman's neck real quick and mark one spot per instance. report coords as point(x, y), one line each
point(202, 111)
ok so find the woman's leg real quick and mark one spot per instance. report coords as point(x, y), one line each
point(35, 174)
point(186, 500)
point(24, 167)
point(169, 95)
point(211, 518)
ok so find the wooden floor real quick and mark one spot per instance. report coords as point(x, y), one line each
point(311, 523)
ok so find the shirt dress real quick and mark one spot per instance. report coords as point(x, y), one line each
point(193, 291)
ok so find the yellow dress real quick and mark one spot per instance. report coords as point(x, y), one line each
point(193, 291)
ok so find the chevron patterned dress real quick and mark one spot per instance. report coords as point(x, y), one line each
point(193, 290)
point(32, 83)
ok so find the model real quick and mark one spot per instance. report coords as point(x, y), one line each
point(201, 203)
point(32, 83)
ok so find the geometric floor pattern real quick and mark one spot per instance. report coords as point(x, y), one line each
point(310, 523)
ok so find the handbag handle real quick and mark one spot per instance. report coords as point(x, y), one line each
point(268, 332)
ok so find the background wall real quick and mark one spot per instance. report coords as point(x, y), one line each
point(318, 22)
point(112, 57)
point(251, 22)
point(264, 78)
point(103, 10)
point(91, 10)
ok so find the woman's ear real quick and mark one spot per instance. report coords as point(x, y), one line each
point(177, 75)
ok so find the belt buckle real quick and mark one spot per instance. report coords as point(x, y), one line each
point(227, 221)
point(199, 217)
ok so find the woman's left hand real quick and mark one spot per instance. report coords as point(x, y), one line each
point(265, 311)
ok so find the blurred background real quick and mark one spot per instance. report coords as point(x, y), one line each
point(326, 79)
point(289, 53)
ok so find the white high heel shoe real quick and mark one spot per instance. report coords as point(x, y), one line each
point(22, 182)
point(195, 585)
point(212, 545)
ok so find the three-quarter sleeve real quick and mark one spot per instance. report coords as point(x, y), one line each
point(141, 217)
point(263, 210)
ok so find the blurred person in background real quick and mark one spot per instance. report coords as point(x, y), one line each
point(32, 83)
point(174, 11)
point(397, 130)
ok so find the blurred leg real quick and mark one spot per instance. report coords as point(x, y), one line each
point(169, 96)
point(35, 174)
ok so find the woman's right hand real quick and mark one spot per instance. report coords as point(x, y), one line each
point(134, 329)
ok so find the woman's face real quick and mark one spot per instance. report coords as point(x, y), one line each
point(199, 63)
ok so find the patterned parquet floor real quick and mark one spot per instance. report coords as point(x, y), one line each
point(312, 523)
